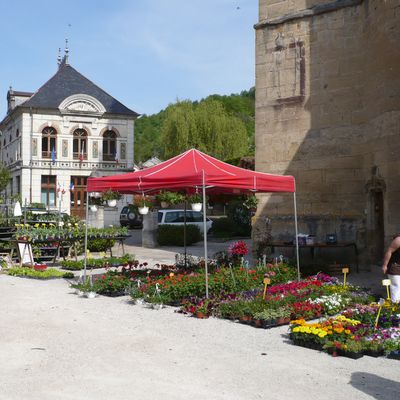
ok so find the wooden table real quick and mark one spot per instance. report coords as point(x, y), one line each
point(312, 247)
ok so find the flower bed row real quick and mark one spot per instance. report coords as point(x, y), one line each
point(359, 330)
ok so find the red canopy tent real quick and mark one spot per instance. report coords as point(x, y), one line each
point(194, 170)
point(191, 170)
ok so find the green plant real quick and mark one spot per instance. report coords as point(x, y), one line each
point(170, 197)
point(110, 195)
point(100, 244)
point(195, 198)
point(173, 235)
point(31, 273)
point(72, 265)
point(250, 202)
point(111, 283)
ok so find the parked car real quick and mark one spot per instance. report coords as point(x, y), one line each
point(176, 217)
point(130, 217)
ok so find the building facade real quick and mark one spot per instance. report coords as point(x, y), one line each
point(328, 113)
point(53, 139)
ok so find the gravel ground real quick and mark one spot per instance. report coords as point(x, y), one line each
point(56, 345)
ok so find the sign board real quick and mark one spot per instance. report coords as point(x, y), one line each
point(25, 253)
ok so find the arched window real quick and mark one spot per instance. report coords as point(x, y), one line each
point(49, 142)
point(109, 146)
point(80, 144)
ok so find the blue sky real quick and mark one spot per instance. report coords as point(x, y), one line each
point(146, 53)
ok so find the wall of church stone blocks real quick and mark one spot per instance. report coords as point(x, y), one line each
point(346, 123)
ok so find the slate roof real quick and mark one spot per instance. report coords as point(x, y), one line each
point(68, 81)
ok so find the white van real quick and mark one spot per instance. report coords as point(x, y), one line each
point(176, 217)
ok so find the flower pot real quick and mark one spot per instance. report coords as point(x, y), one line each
point(280, 321)
point(373, 353)
point(112, 203)
point(201, 315)
point(258, 323)
point(93, 208)
point(91, 295)
point(394, 355)
point(350, 354)
point(164, 204)
point(196, 206)
point(143, 210)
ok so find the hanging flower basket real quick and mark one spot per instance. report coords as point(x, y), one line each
point(111, 197)
point(196, 206)
point(112, 203)
point(143, 210)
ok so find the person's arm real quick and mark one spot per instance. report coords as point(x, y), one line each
point(391, 249)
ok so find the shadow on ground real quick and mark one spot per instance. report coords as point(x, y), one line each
point(375, 386)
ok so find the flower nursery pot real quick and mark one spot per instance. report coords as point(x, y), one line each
point(201, 315)
point(196, 206)
point(91, 295)
point(112, 203)
point(394, 355)
point(350, 354)
point(279, 321)
point(373, 353)
point(258, 323)
point(143, 210)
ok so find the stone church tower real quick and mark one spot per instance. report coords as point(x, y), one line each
point(328, 113)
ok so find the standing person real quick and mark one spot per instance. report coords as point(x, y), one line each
point(391, 266)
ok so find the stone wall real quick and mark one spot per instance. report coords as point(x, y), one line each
point(328, 112)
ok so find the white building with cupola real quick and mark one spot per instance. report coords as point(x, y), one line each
point(54, 138)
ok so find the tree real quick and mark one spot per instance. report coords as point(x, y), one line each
point(5, 177)
point(150, 130)
point(206, 126)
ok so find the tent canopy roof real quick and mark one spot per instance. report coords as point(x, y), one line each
point(189, 171)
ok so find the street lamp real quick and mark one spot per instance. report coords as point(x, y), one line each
point(94, 174)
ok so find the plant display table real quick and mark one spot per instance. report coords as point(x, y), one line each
point(312, 247)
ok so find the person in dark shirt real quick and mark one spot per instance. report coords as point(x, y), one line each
point(391, 266)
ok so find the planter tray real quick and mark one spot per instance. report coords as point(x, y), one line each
point(394, 355)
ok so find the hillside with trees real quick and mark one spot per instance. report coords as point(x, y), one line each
point(222, 126)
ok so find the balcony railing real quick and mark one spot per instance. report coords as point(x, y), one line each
point(79, 156)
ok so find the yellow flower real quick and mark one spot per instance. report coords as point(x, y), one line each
point(347, 331)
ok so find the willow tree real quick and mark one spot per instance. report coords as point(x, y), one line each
point(206, 126)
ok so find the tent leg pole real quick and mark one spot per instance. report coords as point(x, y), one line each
point(205, 234)
point(184, 233)
point(86, 236)
point(297, 238)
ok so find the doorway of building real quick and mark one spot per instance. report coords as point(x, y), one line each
point(78, 196)
point(378, 231)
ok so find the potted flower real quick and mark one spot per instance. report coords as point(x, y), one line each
point(196, 201)
point(143, 204)
point(111, 197)
point(166, 198)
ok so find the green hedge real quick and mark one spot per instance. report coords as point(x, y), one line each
point(227, 227)
point(173, 235)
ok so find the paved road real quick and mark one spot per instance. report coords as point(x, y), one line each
point(58, 346)
point(166, 254)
